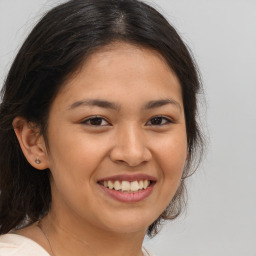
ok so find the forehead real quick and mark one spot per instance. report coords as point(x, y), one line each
point(123, 69)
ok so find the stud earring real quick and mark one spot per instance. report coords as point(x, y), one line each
point(37, 161)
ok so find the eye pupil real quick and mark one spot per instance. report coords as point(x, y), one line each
point(96, 121)
point(156, 120)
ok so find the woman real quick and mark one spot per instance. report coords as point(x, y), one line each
point(98, 131)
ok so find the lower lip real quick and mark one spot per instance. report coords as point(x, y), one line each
point(128, 197)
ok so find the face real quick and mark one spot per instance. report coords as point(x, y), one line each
point(117, 140)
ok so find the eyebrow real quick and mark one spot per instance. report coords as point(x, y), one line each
point(95, 102)
point(111, 105)
point(159, 103)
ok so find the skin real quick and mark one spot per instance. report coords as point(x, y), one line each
point(127, 140)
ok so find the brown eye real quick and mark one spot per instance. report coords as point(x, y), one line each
point(159, 120)
point(95, 121)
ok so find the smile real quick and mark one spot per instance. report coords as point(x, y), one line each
point(126, 186)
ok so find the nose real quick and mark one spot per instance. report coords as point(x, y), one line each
point(130, 147)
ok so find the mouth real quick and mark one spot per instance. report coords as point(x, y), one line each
point(128, 188)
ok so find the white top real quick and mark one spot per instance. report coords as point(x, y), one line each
point(17, 245)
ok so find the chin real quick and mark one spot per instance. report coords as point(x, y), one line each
point(123, 228)
point(131, 222)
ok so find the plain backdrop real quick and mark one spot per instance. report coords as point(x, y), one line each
point(221, 216)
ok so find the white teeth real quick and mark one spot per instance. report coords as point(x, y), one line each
point(134, 186)
point(146, 184)
point(126, 186)
point(141, 184)
point(110, 184)
point(117, 185)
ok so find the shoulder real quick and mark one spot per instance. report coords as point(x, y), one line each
point(17, 245)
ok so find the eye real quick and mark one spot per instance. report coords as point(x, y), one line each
point(159, 120)
point(96, 121)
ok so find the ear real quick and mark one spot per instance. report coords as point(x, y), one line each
point(31, 142)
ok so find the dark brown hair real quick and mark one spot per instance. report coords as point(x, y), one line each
point(57, 47)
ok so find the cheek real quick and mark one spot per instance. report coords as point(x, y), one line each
point(73, 161)
point(171, 156)
point(74, 156)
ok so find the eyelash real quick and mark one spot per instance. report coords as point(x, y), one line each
point(86, 121)
point(100, 119)
point(167, 120)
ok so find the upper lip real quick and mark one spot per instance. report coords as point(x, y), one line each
point(128, 177)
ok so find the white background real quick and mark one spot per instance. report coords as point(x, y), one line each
point(221, 215)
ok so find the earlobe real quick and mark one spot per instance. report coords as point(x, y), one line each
point(31, 142)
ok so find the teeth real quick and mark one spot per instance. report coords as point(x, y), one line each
point(134, 186)
point(126, 186)
point(141, 184)
point(146, 184)
point(110, 184)
point(117, 185)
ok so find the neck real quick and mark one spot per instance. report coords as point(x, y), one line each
point(73, 238)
